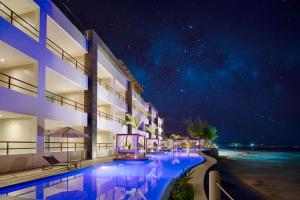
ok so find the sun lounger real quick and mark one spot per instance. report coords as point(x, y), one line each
point(54, 162)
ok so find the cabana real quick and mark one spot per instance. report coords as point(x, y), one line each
point(130, 144)
point(152, 144)
point(181, 143)
point(194, 143)
point(166, 144)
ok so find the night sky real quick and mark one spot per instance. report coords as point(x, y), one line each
point(235, 64)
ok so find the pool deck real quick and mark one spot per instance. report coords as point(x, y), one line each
point(12, 178)
point(198, 176)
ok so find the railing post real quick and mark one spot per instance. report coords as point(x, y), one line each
point(11, 16)
point(214, 190)
point(75, 108)
point(61, 147)
point(61, 101)
point(62, 54)
point(7, 148)
point(75, 146)
point(9, 82)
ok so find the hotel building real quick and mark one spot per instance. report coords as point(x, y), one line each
point(54, 76)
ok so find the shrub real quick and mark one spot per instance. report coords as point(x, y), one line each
point(182, 190)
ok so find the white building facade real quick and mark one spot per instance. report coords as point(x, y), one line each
point(54, 76)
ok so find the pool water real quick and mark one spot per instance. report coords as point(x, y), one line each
point(116, 180)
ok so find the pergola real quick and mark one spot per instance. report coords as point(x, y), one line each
point(167, 144)
point(130, 144)
point(181, 142)
point(194, 143)
point(152, 144)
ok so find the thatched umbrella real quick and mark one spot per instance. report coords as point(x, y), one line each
point(68, 132)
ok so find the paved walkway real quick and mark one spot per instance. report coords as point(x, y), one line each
point(198, 176)
point(28, 175)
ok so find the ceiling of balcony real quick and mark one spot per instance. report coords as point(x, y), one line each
point(11, 115)
point(57, 83)
point(60, 37)
point(11, 57)
point(21, 6)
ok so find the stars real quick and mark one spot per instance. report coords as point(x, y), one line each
point(181, 90)
point(190, 27)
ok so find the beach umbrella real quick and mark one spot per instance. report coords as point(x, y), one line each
point(68, 132)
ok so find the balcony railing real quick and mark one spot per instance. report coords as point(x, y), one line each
point(110, 88)
point(8, 146)
point(122, 98)
point(63, 101)
point(119, 120)
point(17, 84)
point(66, 56)
point(105, 85)
point(104, 115)
point(64, 146)
point(104, 146)
point(13, 18)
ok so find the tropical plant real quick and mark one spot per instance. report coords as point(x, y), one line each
point(150, 129)
point(134, 121)
point(182, 189)
point(175, 136)
point(201, 129)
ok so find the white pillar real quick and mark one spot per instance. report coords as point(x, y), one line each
point(214, 190)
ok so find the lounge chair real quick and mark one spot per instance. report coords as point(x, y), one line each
point(54, 162)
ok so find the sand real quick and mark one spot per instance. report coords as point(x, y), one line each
point(267, 175)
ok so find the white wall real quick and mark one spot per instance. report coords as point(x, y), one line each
point(18, 129)
point(26, 73)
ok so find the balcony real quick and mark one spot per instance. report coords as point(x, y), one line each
point(18, 133)
point(25, 15)
point(18, 71)
point(62, 91)
point(64, 46)
point(73, 148)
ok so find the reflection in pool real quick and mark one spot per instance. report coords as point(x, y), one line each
point(117, 180)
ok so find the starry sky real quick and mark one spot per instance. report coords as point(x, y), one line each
point(235, 64)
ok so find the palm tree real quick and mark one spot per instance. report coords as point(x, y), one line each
point(175, 136)
point(150, 129)
point(201, 129)
point(134, 121)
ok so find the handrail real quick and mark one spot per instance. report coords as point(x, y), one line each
point(61, 146)
point(121, 121)
point(104, 145)
point(63, 101)
point(9, 83)
point(65, 55)
point(110, 88)
point(104, 115)
point(223, 190)
point(105, 84)
point(11, 17)
point(8, 148)
point(120, 96)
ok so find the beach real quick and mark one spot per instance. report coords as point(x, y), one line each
point(260, 174)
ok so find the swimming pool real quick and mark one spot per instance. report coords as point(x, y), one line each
point(116, 180)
